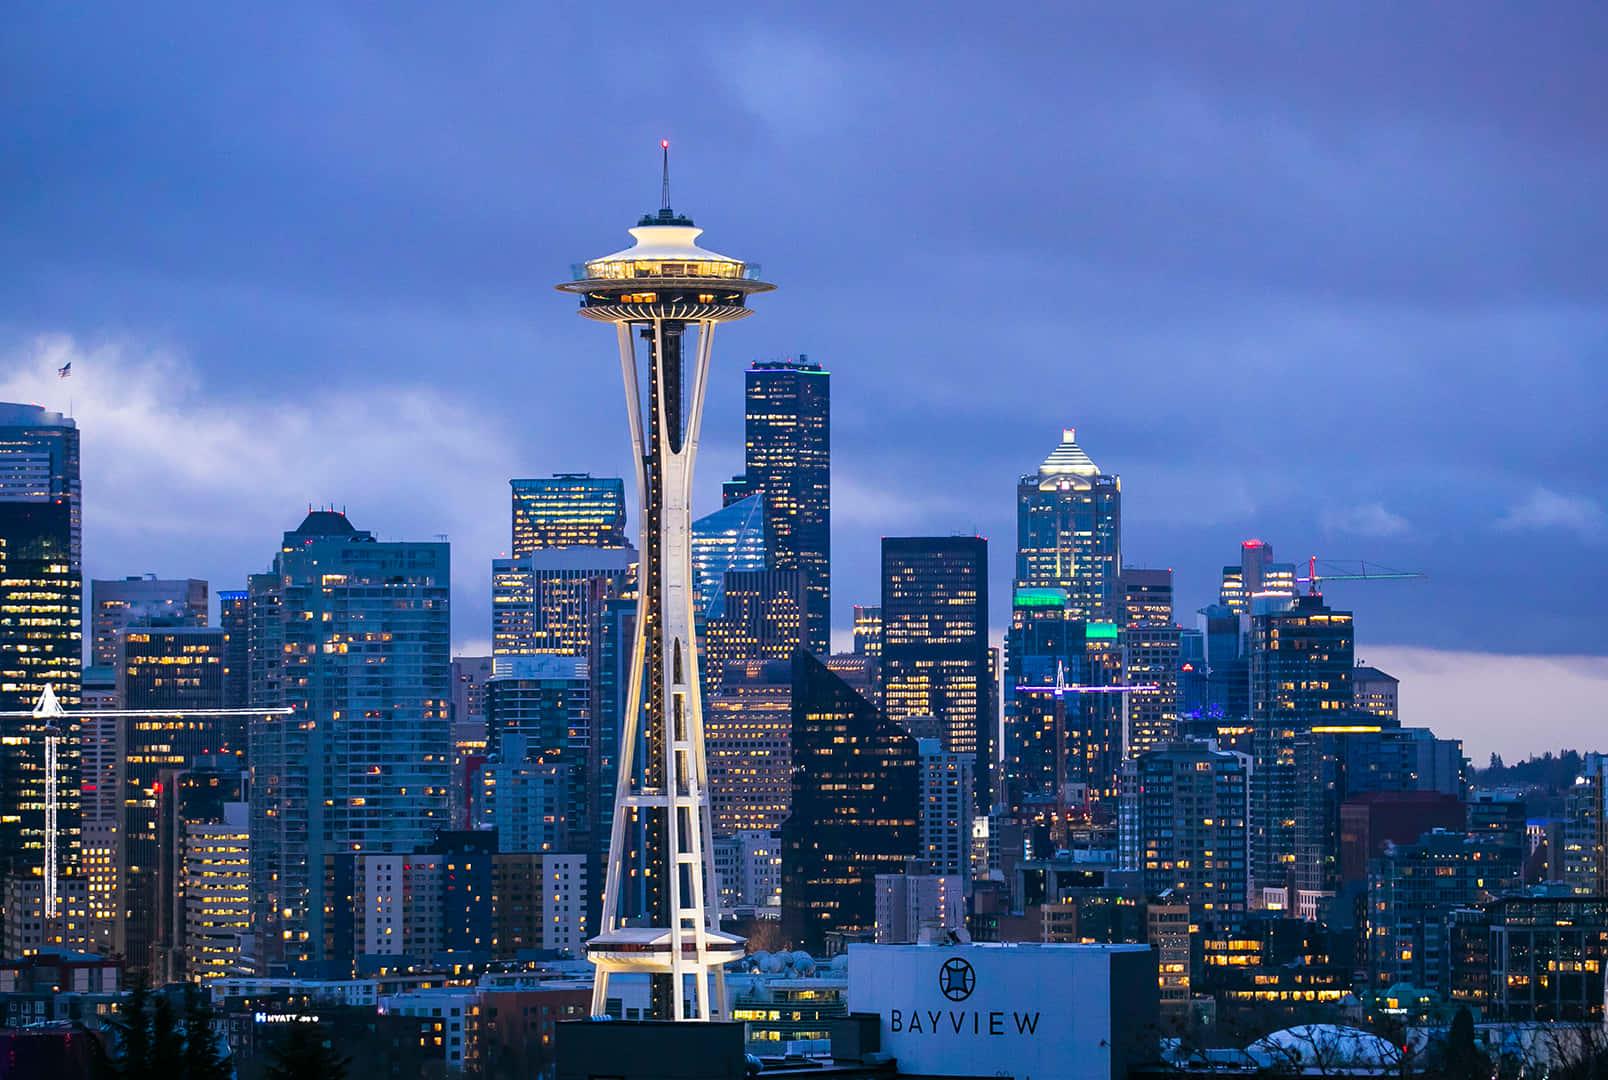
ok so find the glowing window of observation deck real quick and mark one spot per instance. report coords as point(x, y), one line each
point(616, 269)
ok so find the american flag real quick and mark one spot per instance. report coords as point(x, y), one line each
point(65, 370)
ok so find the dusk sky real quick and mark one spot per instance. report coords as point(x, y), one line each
point(1337, 279)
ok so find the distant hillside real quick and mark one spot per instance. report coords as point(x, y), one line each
point(1550, 772)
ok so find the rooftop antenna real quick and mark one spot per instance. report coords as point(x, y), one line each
point(664, 191)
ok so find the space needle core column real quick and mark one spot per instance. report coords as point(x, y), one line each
point(670, 293)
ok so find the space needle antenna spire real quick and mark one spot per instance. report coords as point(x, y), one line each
point(664, 188)
point(664, 296)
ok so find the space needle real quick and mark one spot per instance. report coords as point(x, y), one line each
point(668, 292)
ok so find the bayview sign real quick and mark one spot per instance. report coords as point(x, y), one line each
point(985, 1010)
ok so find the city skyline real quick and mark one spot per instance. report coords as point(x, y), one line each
point(1400, 352)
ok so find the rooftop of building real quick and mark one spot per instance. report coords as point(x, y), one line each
point(1372, 674)
point(18, 414)
point(801, 364)
point(325, 523)
point(1068, 458)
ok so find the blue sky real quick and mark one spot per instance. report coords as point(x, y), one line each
point(1332, 278)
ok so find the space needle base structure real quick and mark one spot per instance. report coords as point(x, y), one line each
point(663, 920)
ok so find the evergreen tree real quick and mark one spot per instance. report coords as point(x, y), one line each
point(132, 1034)
point(306, 1052)
point(1463, 1058)
point(204, 1056)
point(167, 1040)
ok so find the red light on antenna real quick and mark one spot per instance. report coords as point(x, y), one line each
point(664, 144)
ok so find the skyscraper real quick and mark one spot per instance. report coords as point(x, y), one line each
point(1256, 575)
point(1069, 532)
point(1044, 650)
point(672, 293)
point(544, 602)
point(748, 735)
point(167, 671)
point(732, 539)
point(41, 643)
point(1150, 641)
point(935, 642)
point(123, 603)
point(764, 616)
point(854, 808)
point(1300, 675)
point(868, 631)
point(364, 762)
point(39, 464)
point(568, 510)
point(789, 461)
point(234, 616)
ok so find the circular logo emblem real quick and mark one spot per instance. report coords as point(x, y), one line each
point(957, 979)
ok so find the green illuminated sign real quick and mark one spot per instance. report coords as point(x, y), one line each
point(1100, 631)
point(1040, 597)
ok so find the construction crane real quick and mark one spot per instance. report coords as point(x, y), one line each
point(48, 713)
point(1359, 570)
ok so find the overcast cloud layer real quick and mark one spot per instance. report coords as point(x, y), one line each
point(1335, 279)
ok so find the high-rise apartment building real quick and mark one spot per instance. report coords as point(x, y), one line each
point(124, 603)
point(948, 806)
point(217, 893)
point(935, 659)
point(1301, 662)
point(365, 761)
point(523, 799)
point(1413, 889)
point(1184, 826)
point(234, 616)
point(913, 903)
point(731, 539)
point(1069, 532)
point(469, 677)
point(568, 510)
point(1584, 838)
point(545, 700)
point(750, 869)
point(1374, 692)
point(789, 461)
point(854, 807)
point(41, 644)
point(545, 602)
